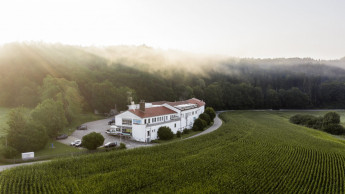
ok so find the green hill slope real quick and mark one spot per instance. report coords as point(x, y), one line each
point(252, 152)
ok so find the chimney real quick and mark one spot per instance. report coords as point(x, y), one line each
point(142, 105)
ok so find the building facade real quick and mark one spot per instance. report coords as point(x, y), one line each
point(142, 121)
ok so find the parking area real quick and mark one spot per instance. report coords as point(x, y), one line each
point(100, 126)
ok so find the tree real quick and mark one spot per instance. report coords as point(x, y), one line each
point(205, 117)
point(165, 133)
point(92, 141)
point(210, 111)
point(214, 95)
point(272, 99)
point(63, 91)
point(24, 134)
point(51, 115)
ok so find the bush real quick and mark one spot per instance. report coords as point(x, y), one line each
point(122, 146)
point(186, 131)
point(210, 111)
point(199, 125)
point(205, 117)
point(331, 118)
point(302, 119)
point(315, 123)
point(165, 133)
point(204, 124)
point(9, 152)
point(178, 134)
point(334, 129)
point(328, 123)
point(92, 141)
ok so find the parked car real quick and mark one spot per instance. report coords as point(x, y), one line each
point(82, 127)
point(112, 121)
point(110, 144)
point(76, 143)
point(63, 136)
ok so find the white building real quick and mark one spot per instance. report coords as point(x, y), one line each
point(142, 121)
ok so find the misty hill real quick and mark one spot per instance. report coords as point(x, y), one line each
point(142, 72)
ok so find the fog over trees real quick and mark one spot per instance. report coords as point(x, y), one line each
point(93, 78)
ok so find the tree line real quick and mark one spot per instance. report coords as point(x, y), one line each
point(30, 73)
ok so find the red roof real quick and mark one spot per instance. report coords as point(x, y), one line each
point(152, 112)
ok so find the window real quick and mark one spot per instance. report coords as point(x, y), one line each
point(145, 121)
point(137, 121)
point(126, 121)
point(149, 120)
point(148, 133)
point(175, 125)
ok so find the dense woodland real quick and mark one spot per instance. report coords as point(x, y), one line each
point(90, 78)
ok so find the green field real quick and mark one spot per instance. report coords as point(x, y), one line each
point(253, 152)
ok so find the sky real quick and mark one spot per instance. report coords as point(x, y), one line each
point(237, 28)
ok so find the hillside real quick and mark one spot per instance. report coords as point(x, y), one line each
point(252, 152)
point(106, 76)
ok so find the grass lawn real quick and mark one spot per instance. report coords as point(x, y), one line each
point(252, 152)
point(59, 148)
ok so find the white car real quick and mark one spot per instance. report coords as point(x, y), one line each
point(76, 143)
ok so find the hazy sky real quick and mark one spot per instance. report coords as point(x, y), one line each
point(240, 28)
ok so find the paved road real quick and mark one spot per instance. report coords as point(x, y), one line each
point(101, 126)
point(216, 124)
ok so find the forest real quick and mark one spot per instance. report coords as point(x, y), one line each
point(102, 78)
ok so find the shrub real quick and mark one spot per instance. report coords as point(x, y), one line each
point(165, 133)
point(315, 123)
point(204, 124)
point(186, 131)
point(307, 120)
point(178, 134)
point(9, 152)
point(210, 111)
point(122, 146)
point(205, 117)
point(199, 125)
point(301, 119)
point(331, 118)
point(335, 129)
point(92, 141)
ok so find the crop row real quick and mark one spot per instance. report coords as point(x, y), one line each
point(250, 153)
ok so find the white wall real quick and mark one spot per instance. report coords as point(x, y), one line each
point(125, 115)
point(138, 133)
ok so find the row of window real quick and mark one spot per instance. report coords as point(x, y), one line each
point(190, 113)
point(156, 119)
